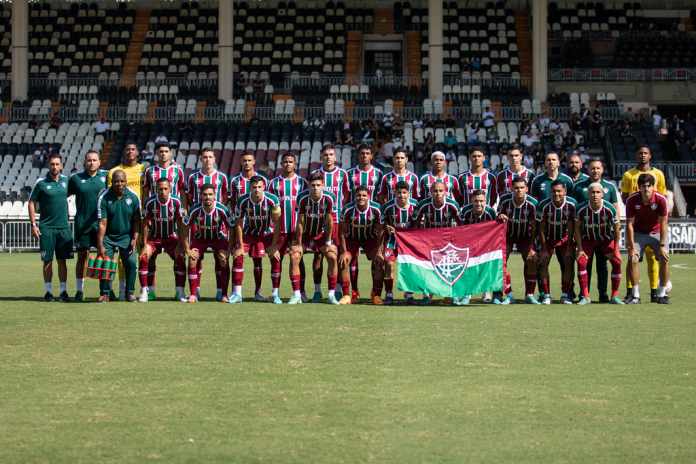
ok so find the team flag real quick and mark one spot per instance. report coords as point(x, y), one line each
point(451, 261)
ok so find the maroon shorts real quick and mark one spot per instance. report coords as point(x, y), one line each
point(255, 245)
point(370, 246)
point(168, 245)
point(607, 248)
point(524, 245)
point(283, 243)
point(203, 245)
point(314, 244)
point(563, 246)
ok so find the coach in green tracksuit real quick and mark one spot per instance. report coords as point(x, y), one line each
point(86, 186)
point(50, 194)
point(118, 210)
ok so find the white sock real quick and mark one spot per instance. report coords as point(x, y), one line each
point(80, 284)
point(661, 291)
point(63, 287)
point(317, 288)
point(48, 286)
point(237, 290)
point(298, 294)
point(121, 286)
point(274, 292)
point(332, 292)
point(145, 289)
point(636, 291)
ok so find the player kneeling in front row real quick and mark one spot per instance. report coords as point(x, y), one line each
point(209, 225)
point(315, 233)
point(163, 226)
point(398, 214)
point(361, 227)
point(647, 227)
point(556, 216)
point(597, 230)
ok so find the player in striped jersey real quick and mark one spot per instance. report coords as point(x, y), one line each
point(163, 227)
point(335, 183)
point(556, 217)
point(400, 173)
point(315, 233)
point(239, 184)
point(438, 173)
point(257, 216)
point(518, 210)
point(209, 225)
point(474, 213)
point(541, 185)
point(478, 178)
point(207, 174)
point(361, 228)
point(287, 187)
point(165, 168)
point(515, 169)
point(597, 230)
point(397, 214)
point(437, 210)
point(365, 173)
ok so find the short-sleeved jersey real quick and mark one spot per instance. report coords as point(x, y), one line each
point(469, 216)
point(557, 220)
point(582, 195)
point(369, 179)
point(646, 218)
point(451, 183)
point(314, 212)
point(336, 183)
point(134, 177)
point(399, 218)
point(541, 185)
point(86, 189)
point(629, 181)
point(198, 179)
point(428, 215)
point(174, 173)
point(119, 214)
point(51, 195)
point(257, 216)
point(239, 186)
point(387, 187)
point(597, 225)
point(521, 218)
point(162, 218)
point(506, 176)
point(360, 225)
point(209, 225)
point(288, 190)
point(468, 182)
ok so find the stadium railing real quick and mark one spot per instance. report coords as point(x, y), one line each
point(684, 171)
point(622, 74)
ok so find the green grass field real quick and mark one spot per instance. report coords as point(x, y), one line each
point(172, 382)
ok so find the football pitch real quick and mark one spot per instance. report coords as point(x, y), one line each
point(314, 383)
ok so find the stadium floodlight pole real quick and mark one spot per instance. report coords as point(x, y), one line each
point(540, 43)
point(20, 50)
point(435, 20)
point(225, 49)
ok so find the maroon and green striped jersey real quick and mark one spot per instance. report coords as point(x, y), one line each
point(198, 179)
point(287, 190)
point(451, 183)
point(162, 218)
point(597, 225)
point(336, 183)
point(399, 218)
point(258, 220)
point(209, 225)
point(314, 212)
point(173, 172)
point(505, 179)
point(369, 179)
point(429, 216)
point(468, 182)
point(239, 186)
point(361, 225)
point(469, 216)
point(558, 219)
point(521, 218)
point(387, 187)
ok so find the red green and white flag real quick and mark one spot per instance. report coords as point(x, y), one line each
point(451, 261)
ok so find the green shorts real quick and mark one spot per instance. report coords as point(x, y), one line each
point(55, 241)
point(86, 240)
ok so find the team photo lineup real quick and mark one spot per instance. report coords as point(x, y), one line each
point(131, 214)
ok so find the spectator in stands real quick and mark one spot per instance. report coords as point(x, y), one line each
point(450, 140)
point(102, 126)
point(596, 126)
point(34, 123)
point(388, 123)
point(488, 119)
point(367, 133)
point(529, 161)
point(472, 134)
point(429, 144)
point(55, 121)
point(450, 123)
point(656, 121)
point(476, 63)
point(417, 123)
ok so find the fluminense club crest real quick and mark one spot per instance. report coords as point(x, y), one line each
point(450, 262)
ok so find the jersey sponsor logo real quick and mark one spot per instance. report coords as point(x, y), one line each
point(128, 201)
point(450, 262)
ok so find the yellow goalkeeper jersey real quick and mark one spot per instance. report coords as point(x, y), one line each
point(629, 181)
point(134, 177)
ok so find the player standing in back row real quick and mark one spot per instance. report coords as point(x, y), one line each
point(400, 173)
point(438, 173)
point(207, 175)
